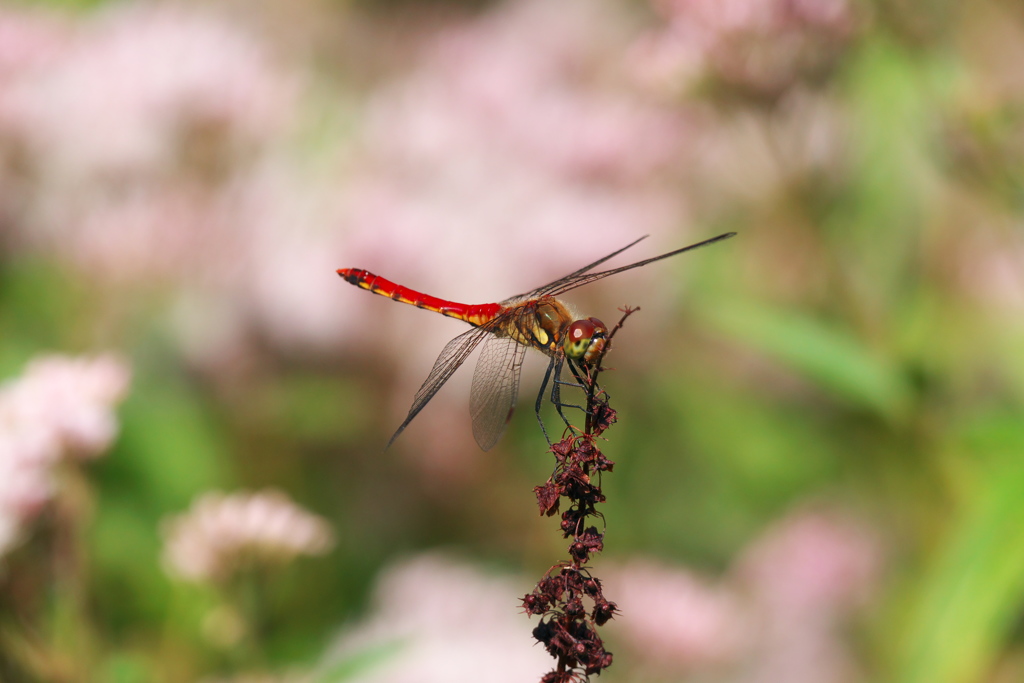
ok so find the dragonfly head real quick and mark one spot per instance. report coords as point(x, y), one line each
point(585, 340)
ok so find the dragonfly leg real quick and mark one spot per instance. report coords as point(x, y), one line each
point(540, 400)
point(556, 394)
point(580, 381)
point(580, 384)
point(575, 385)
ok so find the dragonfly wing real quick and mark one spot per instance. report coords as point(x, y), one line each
point(452, 357)
point(573, 275)
point(495, 388)
point(581, 278)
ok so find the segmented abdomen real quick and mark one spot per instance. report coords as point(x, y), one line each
point(474, 314)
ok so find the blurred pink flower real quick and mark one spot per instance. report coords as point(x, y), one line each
point(805, 577)
point(444, 621)
point(28, 40)
point(779, 615)
point(222, 533)
point(176, 168)
point(812, 561)
point(294, 242)
point(170, 107)
point(139, 80)
point(152, 235)
point(990, 267)
point(762, 45)
point(675, 619)
point(59, 407)
point(533, 81)
point(752, 159)
point(64, 406)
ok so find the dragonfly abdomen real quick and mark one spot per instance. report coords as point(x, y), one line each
point(474, 314)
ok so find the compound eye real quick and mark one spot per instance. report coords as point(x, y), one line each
point(597, 341)
point(578, 337)
point(599, 329)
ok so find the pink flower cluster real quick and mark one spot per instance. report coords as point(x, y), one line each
point(147, 146)
point(224, 533)
point(675, 619)
point(139, 80)
point(121, 130)
point(444, 621)
point(805, 577)
point(756, 44)
point(778, 616)
point(60, 407)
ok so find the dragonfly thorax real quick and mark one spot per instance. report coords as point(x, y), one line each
point(548, 324)
point(540, 323)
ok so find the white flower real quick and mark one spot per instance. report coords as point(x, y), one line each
point(60, 407)
point(445, 621)
point(221, 533)
point(64, 406)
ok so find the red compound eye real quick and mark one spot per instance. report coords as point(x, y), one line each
point(584, 339)
point(582, 330)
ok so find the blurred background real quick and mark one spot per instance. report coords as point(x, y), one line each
point(819, 473)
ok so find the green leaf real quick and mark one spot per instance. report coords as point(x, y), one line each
point(830, 358)
point(972, 595)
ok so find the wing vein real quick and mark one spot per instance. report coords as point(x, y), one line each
point(452, 356)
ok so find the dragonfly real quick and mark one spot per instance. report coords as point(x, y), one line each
point(534, 320)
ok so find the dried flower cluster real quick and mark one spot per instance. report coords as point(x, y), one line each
point(568, 629)
point(221, 534)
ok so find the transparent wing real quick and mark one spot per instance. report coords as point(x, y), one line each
point(581, 278)
point(495, 388)
point(452, 357)
point(571, 277)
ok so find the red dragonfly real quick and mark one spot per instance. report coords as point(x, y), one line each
point(533, 320)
